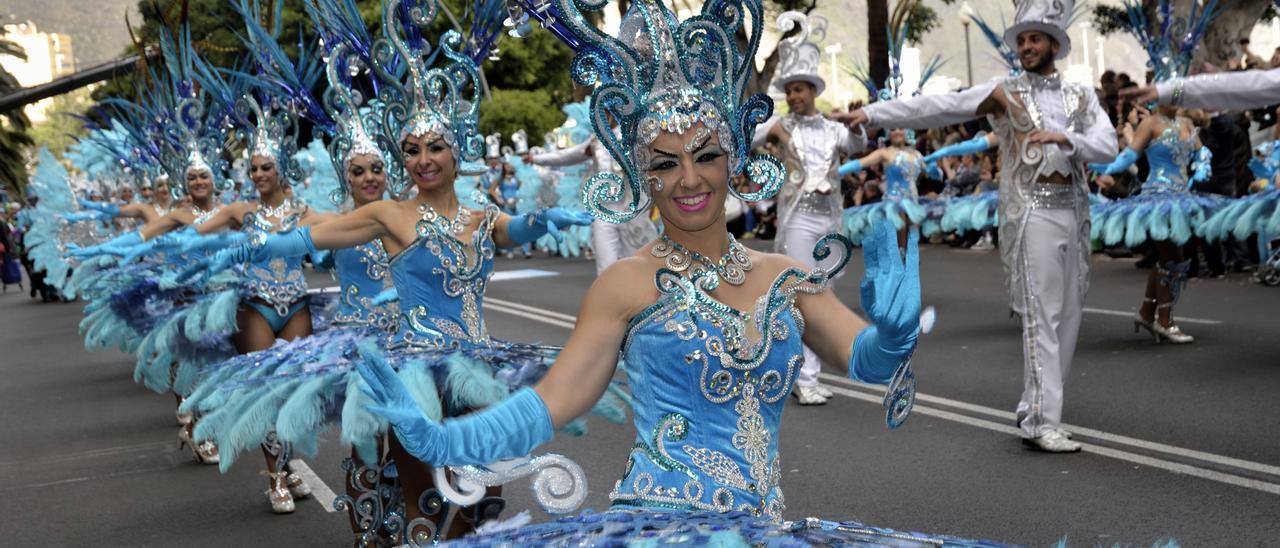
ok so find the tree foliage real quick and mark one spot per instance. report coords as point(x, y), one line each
point(508, 111)
point(14, 127)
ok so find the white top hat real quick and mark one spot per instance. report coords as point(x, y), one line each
point(493, 146)
point(1048, 16)
point(798, 56)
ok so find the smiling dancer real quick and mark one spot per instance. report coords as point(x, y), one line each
point(1048, 130)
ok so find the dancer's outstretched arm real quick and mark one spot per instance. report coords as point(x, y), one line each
point(1218, 91)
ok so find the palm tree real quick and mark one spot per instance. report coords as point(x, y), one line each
point(13, 127)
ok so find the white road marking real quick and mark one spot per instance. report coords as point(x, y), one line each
point(1008, 416)
point(863, 393)
point(521, 274)
point(322, 290)
point(533, 310)
point(489, 304)
point(1204, 473)
point(319, 491)
point(1129, 314)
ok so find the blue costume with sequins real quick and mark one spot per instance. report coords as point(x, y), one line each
point(1166, 208)
point(275, 288)
point(709, 384)
point(282, 388)
point(900, 199)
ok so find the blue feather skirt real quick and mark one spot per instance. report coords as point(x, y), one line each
point(976, 212)
point(659, 527)
point(1253, 214)
point(303, 387)
point(1153, 216)
point(858, 220)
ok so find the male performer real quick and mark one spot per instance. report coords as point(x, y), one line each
point(1048, 130)
point(809, 204)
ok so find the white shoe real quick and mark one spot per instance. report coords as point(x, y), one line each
point(1053, 441)
point(298, 488)
point(279, 495)
point(808, 395)
point(824, 391)
point(1171, 334)
point(984, 244)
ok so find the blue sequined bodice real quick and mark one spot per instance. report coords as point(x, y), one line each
point(709, 384)
point(441, 282)
point(1169, 155)
point(362, 275)
point(900, 176)
point(278, 282)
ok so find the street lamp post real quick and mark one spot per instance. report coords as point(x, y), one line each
point(966, 17)
point(834, 49)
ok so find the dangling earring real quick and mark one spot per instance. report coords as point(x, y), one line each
point(655, 183)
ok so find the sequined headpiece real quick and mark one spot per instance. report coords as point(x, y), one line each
point(355, 126)
point(272, 134)
point(493, 146)
point(440, 101)
point(660, 74)
point(1051, 17)
point(798, 56)
point(1172, 40)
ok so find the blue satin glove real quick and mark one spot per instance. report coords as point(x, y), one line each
point(850, 167)
point(964, 148)
point(1122, 162)
point(165, 242)
point(1202, 168)
point(118, 246)
point(509, 429)
point(1260, 169)
point(528, 227)
point(206, 242)
point(322, 260)
point(891, 299)
point(112, 210)
point(291, 243)
point(77, 216)
point(932, 171)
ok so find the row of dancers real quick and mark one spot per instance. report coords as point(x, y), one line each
point(212, 301)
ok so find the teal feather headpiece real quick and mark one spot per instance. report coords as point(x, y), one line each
point(662, 74)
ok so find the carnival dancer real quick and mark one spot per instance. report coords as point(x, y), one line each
point(811, 146)
point(609, 241)
point(159, 203)
point(1048, 130)
point(244, 398)
point(704, 468)
point(440, 258)
point(1166, 212)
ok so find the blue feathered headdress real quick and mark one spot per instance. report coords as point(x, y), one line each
point(1172, 41)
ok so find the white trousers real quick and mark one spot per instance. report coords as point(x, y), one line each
point(606, 242)
point(801, 232)
point(1051, 322)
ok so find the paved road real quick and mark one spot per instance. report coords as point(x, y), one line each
point(1181, 440)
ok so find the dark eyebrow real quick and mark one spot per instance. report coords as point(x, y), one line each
point(664, 153)
point(434, 141)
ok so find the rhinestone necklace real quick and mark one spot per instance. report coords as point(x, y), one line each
point(276, 212)
point(455, 226)
point(732, 267)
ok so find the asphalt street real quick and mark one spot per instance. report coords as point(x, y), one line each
point(1181, 441)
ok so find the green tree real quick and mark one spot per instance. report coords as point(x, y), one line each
point(14, 126)
point(1221, 41)
point(510, 110)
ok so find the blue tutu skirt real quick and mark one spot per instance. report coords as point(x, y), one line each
point(858, 220)
point(1253, 214)
point(303, 387)
point(655, 527)
point(1153, 216)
